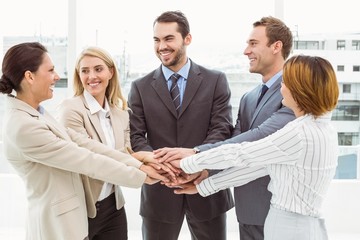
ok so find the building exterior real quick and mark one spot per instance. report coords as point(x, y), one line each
point(343, 52)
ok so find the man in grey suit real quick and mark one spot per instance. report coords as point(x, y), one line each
point(158, 119)
point(268, 47)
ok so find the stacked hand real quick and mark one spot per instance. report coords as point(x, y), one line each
point(166, 163)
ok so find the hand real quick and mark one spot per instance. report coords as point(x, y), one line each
point(171, 154)
point(153, 174)
point(188, 188)
point(144, 156)
point(183, 179)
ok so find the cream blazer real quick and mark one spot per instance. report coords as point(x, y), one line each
point(75, 113)
point(44, 155)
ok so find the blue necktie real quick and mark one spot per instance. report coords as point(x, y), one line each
point(175, 92)
point(263, 91)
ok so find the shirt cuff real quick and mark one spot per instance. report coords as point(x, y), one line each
point(207, 187)
point(189, 165)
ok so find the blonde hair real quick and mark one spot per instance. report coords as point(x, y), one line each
point(113, 91)
point(312, 83)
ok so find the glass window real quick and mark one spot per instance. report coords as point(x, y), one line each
point(347, 88)
point(355, 45)
point(341, 45)
point(348, 138)
point(346, 113)
point(340, 68)
point(347, 166)
point(306, 45)
point(356, 68)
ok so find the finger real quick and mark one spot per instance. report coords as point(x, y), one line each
point(155, 166)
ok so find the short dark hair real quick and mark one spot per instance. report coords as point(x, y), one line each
point(17, 60)
point(175, 16)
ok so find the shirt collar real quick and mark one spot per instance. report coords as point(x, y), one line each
point(184, 71)
point(273, 79)
point(94, 105)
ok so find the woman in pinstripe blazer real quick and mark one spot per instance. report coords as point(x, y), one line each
point(300, 158)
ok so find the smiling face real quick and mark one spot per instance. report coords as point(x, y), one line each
point(95, 75)
point(43, 80)
point(169, 45)
point(261, 56)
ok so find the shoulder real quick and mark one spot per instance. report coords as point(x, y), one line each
point(73, 103)
point(205, 70)
point(120, 113)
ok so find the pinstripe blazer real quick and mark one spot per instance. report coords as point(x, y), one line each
point(252, 201)
point(75, 113)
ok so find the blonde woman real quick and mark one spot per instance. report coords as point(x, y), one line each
point(99, 110)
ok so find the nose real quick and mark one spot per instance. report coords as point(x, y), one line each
point(92, 74)
point(161, 45)
point(246, 51)
point(57, 77)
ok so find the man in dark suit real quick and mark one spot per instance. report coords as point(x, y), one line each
point(269, 45)
point(203, 115)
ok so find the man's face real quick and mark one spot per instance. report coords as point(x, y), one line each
point(260, 55)
point(169, 45)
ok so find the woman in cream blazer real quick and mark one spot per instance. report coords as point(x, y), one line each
point(43, 152)
point(99, 111)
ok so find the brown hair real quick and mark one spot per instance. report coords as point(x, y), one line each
point(312, 83)
point(17, 60)
point(113, 91)
point(276, 30)
point(175, 16)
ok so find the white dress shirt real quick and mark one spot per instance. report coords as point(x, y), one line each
point(104, 118)
point(300, 159)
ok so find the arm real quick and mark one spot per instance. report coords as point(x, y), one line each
point(244, 162)
point(137, 121)
point(277, 121)
point(38, 142)
point(220, 126)
point(72, 115)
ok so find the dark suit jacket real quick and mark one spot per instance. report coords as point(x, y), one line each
point(205, 117)
point(252, 201)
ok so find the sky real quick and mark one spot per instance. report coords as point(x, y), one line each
point(215, 25)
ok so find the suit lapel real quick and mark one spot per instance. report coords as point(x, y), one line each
point(161, 88)
point(274, 88)
point(193, 83)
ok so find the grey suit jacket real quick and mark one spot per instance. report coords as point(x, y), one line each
point(44, 155)
point(75, 113)
point(252, 201)
point(205, 117)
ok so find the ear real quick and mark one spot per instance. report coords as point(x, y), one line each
point(277, 47)
point(188, 39)
point(29, 76)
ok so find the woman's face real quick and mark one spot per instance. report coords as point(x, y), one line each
point(44, 80)
point(288, 99)
point(95, 75)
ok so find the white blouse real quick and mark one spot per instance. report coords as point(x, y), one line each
point(300, 159)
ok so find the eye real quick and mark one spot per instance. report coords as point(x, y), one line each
point(98, 69)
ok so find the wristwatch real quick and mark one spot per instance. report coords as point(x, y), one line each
point(196, 150)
